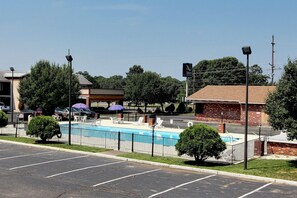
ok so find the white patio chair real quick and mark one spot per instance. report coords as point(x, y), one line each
point(159, 123)
point(140, 121)
point(84, 118)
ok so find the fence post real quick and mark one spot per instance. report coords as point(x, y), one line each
point(132, 142)
point(153, 136)
point(163, 146)
point(105, 139)
point(80, 138)
point(119, 140)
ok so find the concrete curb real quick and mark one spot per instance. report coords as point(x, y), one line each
point(200, 170)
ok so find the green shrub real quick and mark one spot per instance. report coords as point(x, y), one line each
point(200, 141)
point(181, 108)
point(44, 127)
point(3, 119)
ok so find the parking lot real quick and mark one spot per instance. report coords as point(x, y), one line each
point(39, 172)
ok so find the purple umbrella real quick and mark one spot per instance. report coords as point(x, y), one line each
point(116, 108)
point(80, 106)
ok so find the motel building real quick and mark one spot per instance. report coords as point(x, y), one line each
point(88, 95)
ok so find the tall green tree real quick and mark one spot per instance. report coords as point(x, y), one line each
point(47, 87)
point(115, 82)
point(281, 105)
point(133, 86)
point(256, 76)
point(169, 90)
point(224, 71)
point(135, 69)
point(150, 88)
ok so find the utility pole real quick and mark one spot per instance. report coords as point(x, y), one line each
point(193, 81)
point(272, 63)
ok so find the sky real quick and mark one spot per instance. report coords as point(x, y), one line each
point(107, 37)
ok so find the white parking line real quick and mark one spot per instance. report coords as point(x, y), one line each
point(175, 187)
point(85, 168)
point(127, 176)
point(255, 190)
point(47, 162)
point(12, 157)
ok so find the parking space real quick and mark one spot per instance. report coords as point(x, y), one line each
point(38, 172)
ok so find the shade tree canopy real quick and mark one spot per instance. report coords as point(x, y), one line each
point(281, 105)
point(47, 87)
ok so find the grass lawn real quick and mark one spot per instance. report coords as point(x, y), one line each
point(54, 144)
point(280, 169)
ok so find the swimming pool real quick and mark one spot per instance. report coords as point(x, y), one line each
point(166, 138)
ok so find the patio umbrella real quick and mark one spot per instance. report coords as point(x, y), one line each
point(116, 108)
point(80, 106)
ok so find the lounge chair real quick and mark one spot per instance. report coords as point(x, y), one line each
point(114, 120)
point(98, 121)
point(159, 123)
point(140, 121)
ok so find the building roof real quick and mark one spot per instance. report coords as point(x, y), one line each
point(82, 80)
point(5, 76)
point(232, 94)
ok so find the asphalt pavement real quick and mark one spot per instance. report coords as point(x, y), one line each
point(32, 171)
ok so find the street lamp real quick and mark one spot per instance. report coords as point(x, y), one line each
point(69, 59)
point(11, 103)
point(246, 50)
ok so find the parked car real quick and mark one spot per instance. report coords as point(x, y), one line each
point(59, 111)
point(74, 112)
point(87, 112)
point(4, 108)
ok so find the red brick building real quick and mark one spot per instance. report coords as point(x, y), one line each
point(227, 104)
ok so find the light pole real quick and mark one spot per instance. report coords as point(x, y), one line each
point(246, 51)
point(11, 105)
point(69, 59)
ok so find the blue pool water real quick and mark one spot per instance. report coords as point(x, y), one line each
point(140, 135)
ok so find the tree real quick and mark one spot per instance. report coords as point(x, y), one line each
point(224, 71)
point(150, 88)
point(133, 87)
point(200, 141)
point(281, 105)
point(47, 87)
point(169, 90)
point(135, 69)
point(256, 76)
point(44, 127)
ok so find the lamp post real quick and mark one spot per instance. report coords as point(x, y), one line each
point(11, 103)
point(246, 51)
point(69, 59)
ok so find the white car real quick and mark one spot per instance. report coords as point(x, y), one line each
point(4, 108)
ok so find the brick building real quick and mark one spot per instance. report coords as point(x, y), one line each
point(227, 104)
